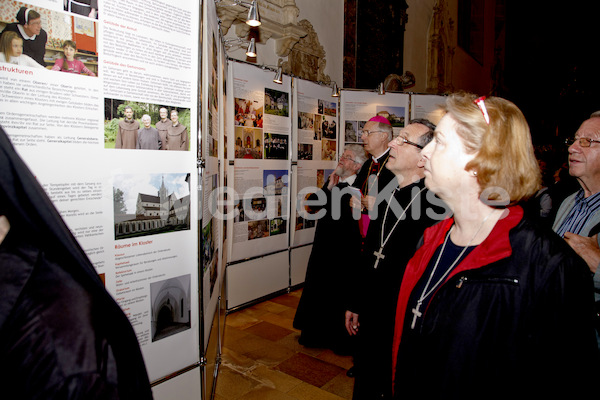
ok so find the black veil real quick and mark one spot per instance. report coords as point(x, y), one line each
point(34, 219)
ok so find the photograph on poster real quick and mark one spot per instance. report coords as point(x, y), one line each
point(352, 131)
point(318, 127)
point(209, 251)
point(306, 121)
point(395, 115)
point(87, 8)
point(278, 226)
point(276, 146)
point(322, 175)
point(328, 128)
point(305, 151)
point(258, 229)
point(171, 301)
point(248, 113)
point(328, 150)
point(327, 107)
point(248, 143)
point(275, 182)
point(126, 126)
point(276, 102)
point(150, 204)
point(63, 42)
point(213, 143)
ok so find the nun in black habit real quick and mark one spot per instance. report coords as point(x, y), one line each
point(62, 336)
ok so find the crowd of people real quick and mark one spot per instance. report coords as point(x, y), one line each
point(437, 269)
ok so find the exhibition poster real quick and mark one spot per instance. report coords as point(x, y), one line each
point(260, 148)
point(112, 139)
point(316, 151)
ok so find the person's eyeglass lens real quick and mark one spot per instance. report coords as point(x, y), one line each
point(583, 141)
point(400, 140)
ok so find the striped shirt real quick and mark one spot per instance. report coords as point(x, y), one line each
point(579, 214)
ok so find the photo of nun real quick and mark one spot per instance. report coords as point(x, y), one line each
point(61, 333)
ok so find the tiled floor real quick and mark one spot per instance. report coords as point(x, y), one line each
point(263, 360)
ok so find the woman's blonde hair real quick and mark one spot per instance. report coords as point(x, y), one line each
point(6, 44)
point(505, 161)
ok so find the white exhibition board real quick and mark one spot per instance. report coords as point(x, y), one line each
point(425, 106)
point(260, 148)
point(316, 151)
point(211, 229)
point(357, 107)
point(61, 125)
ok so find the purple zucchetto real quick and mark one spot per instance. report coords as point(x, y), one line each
point(379, 118)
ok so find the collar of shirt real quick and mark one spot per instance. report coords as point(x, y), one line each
point(587, 204)
point(349, 179)
point(25, 36)
point(376, 159)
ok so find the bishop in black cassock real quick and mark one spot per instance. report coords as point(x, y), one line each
point(390, 242)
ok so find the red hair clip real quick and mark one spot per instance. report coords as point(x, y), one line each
point(481, 104)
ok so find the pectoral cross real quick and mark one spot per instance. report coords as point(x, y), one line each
point(417, 314)
point(379, 254)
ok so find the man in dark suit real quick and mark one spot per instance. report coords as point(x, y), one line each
point(320, 313)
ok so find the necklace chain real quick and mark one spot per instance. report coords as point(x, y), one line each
point(427, 292)
point(383, 242)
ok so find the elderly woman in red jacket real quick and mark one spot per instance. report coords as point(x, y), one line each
point(491, 306)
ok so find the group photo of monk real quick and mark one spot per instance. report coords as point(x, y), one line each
point(144, 126)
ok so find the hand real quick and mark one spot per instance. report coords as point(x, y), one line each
point(586, 247)
point(355, 202)
point(352, 323)
point(368, 202)
point(333, 180)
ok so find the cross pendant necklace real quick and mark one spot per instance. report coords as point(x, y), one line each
point(379, 254)
point(416, 310)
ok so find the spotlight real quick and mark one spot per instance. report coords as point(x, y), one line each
point(251, 52)
point(335, 92)
point(253, 15)
point(278, 74)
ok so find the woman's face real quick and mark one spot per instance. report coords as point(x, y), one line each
point(16, 47)
point(444, 160)
point(69, 52)
point(33, 27)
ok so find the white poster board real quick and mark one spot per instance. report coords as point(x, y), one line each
point(260, 148)
point(357, 107)
point(130, 209)
point(316, 149)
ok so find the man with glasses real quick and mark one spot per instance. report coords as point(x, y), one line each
point(373, 177)
point(578, 218)
point(336, 245)
point(390, 242)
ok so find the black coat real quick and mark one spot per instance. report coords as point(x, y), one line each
point(375, 290)
point(62, 335)
point(513, 320)
point(336, 245)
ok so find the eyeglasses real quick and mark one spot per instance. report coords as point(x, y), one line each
point(401, 140)
point(583, 141)
point(368, 133)
point(343, 157)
